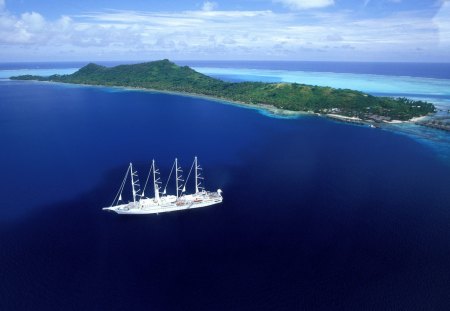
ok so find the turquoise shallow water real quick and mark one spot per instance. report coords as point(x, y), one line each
point(436, 91)
point(6, 73)
point(380, 84)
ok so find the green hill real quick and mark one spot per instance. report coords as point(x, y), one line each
point(167, 76)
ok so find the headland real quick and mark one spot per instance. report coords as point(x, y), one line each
point(277, 98)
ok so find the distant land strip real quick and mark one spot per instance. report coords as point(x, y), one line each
point(164, 75)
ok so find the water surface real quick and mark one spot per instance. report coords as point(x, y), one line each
point(316, 214)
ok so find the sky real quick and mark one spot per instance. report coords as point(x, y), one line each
point(305, 30)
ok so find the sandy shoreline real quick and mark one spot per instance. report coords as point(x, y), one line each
point(268, 108)
point(271, 109)
point(262, 107)
point(418, 119)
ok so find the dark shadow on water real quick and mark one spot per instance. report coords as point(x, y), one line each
point(337, 232)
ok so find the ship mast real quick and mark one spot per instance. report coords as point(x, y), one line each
point(134, 182)
point(178, 178)
point(176, 175)
point(155, 181)
point(196, 175)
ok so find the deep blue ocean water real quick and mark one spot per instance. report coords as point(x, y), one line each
point(317, 215)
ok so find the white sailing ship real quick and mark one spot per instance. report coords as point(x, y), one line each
point(161, 202)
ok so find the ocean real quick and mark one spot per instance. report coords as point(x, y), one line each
point(317, 215)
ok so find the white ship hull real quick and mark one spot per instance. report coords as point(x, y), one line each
point(140, 208)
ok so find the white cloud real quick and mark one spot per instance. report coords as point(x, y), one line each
point(305, 4)
point(216, 34)
point(442, 21)
point(31, 28)
point(33, 21)
point(209, 6)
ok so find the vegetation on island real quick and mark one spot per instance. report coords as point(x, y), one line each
point(167, 76)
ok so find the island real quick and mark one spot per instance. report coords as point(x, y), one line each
point(163, 75)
